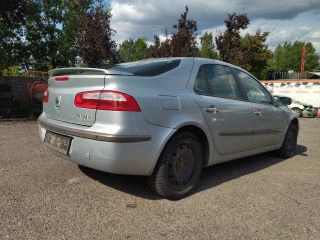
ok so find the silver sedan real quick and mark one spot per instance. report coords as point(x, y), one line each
point(163, 118)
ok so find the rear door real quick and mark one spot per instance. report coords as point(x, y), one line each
point(63, 87)
point(221, 102)
point(268, 118)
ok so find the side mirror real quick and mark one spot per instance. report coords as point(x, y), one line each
point(285, 101)
point(277, 100)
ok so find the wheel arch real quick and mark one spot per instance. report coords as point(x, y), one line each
point(295, 122)
point(199, 132)
point(202, 137)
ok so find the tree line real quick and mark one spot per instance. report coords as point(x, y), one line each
point(45, 34)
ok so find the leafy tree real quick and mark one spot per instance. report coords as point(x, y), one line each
point(249, 52)
point(159, 49)
point(229, 42)
point(12, 14)
point(9, 48)
point(287, 56)
point(207, 47)
point(51, 32)
point(69, 48)
point(256, 53)
point(95, 43)
point(43, 34)
point(131, 50)
point(12, 71)
point(183, 43)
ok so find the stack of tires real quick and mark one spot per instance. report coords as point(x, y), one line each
point(6, 100)
point(36, 89)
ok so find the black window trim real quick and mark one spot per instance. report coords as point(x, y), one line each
point(211, 92)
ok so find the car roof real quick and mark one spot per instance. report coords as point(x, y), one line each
point(196, 59)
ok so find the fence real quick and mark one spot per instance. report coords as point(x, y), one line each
point(19, 84)
point(30, 73)
point(304, 90)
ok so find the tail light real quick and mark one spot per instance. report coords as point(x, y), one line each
point(61, 78)
point(106, 100)
point(46, 96)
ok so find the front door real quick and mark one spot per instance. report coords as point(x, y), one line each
point(268, 124)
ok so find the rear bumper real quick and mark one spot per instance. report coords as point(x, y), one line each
point(120, 154)
point(91, 135)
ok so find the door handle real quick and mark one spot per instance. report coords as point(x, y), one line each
point(212, 109)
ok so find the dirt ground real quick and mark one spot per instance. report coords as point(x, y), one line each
point(260, 197)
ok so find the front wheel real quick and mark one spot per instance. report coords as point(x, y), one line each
point(289, 145)
point(179, 167)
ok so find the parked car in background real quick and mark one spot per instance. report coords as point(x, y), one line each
point(299, 108)
point(163, 118)
point(303, 109)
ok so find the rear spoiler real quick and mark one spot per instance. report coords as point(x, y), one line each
point(85, 71)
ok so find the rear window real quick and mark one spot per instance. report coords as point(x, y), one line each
point(147, 68)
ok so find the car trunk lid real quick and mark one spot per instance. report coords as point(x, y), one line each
point(64, 84)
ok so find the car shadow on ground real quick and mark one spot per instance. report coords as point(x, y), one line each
point(134, 185)
point(211, 176)
point(224, 172)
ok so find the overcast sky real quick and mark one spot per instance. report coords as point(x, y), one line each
point(286, 20)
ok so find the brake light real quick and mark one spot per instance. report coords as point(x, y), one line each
point(46, 96)
point(62, 78)
point(106, 100)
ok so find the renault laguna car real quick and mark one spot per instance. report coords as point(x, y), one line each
point(163, 118)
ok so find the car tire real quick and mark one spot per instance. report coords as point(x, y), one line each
point(297, 111)
point(289, 144)
point(179, 167)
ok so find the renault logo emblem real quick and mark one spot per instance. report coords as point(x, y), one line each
point(58, 103)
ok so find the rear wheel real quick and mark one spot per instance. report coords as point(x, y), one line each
point(289, 145)
point(179, 167)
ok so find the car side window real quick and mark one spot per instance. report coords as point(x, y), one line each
point(254, 91)
point(217, 81)
point(201, 85)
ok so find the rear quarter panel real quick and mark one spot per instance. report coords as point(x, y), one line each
point(165, 100)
